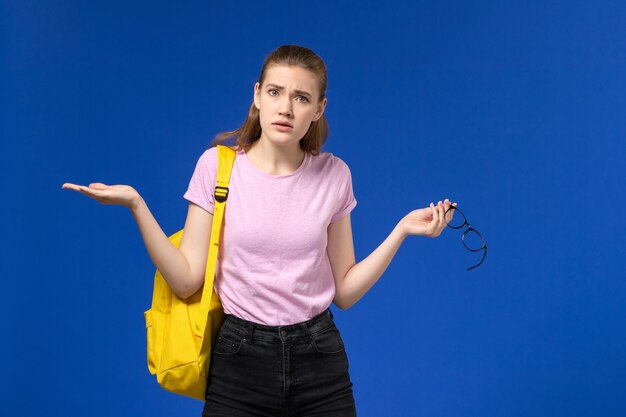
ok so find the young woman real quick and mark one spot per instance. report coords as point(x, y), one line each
point(286, 253)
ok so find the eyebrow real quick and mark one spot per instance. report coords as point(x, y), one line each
point(280, 87)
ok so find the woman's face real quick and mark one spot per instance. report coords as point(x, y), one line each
point(288, 96)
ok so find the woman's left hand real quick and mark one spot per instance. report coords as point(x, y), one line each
point(427, 221)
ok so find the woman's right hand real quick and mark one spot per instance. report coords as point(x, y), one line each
point(123, 195)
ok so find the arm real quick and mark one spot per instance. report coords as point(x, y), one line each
point(353, 280)
point(182, 268)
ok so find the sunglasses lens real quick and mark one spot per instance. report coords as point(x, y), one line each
point(473, 241)
point(455, 219)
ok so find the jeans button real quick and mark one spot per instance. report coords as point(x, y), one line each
point(283, 332)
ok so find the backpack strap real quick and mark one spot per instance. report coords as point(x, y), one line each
point(225, 160)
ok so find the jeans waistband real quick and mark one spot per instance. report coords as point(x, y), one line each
point(257, 331)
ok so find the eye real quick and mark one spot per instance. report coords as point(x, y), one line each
point(272, 90)
point(303, 99)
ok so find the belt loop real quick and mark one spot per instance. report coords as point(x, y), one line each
point(250, 331)
point(330, 313)
point(305, 328)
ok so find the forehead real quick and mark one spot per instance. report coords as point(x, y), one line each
point(295, 78)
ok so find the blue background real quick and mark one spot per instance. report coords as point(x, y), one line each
point(516, 110)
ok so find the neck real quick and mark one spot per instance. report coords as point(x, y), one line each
point(275, 160)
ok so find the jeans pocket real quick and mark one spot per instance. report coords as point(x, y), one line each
point(228, 343)
point(328, 341)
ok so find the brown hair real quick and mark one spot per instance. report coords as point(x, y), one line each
point(250, 131)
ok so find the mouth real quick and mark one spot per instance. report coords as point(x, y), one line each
point(282, 126)
point(283, 123)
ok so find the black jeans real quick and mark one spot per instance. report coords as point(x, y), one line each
point(295, 370)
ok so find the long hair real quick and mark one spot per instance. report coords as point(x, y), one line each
point(250, 130)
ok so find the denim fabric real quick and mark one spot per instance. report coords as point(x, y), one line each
point(295, 370)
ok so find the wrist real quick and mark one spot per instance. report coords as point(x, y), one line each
point(400, 230)
point(136, 204)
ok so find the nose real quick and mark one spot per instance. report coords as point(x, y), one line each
point(285, 108)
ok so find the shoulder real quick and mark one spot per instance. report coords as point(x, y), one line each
point(331, 163)
point(208, 157)
point(210, 153)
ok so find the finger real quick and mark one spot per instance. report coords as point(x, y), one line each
point(442, 223)
point(446, 212)
point(98, 186)
point(425, 212)
point(450, 213)
point(70, 186)
point(81, 189)
point(435, 213)
point(91, 192)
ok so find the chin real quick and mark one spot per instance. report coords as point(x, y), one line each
point(283, 140)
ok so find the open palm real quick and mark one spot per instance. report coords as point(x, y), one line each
point(123, 195)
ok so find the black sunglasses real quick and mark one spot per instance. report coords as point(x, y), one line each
point(475, 235)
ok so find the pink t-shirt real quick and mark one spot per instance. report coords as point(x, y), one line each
point(272, 263)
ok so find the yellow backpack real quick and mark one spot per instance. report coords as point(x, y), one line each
point(181, 332)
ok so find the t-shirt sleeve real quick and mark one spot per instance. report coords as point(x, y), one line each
point(202, 183)
point(345, 199)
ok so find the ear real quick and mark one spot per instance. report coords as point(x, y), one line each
point(320, 110)
point(257, 93)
